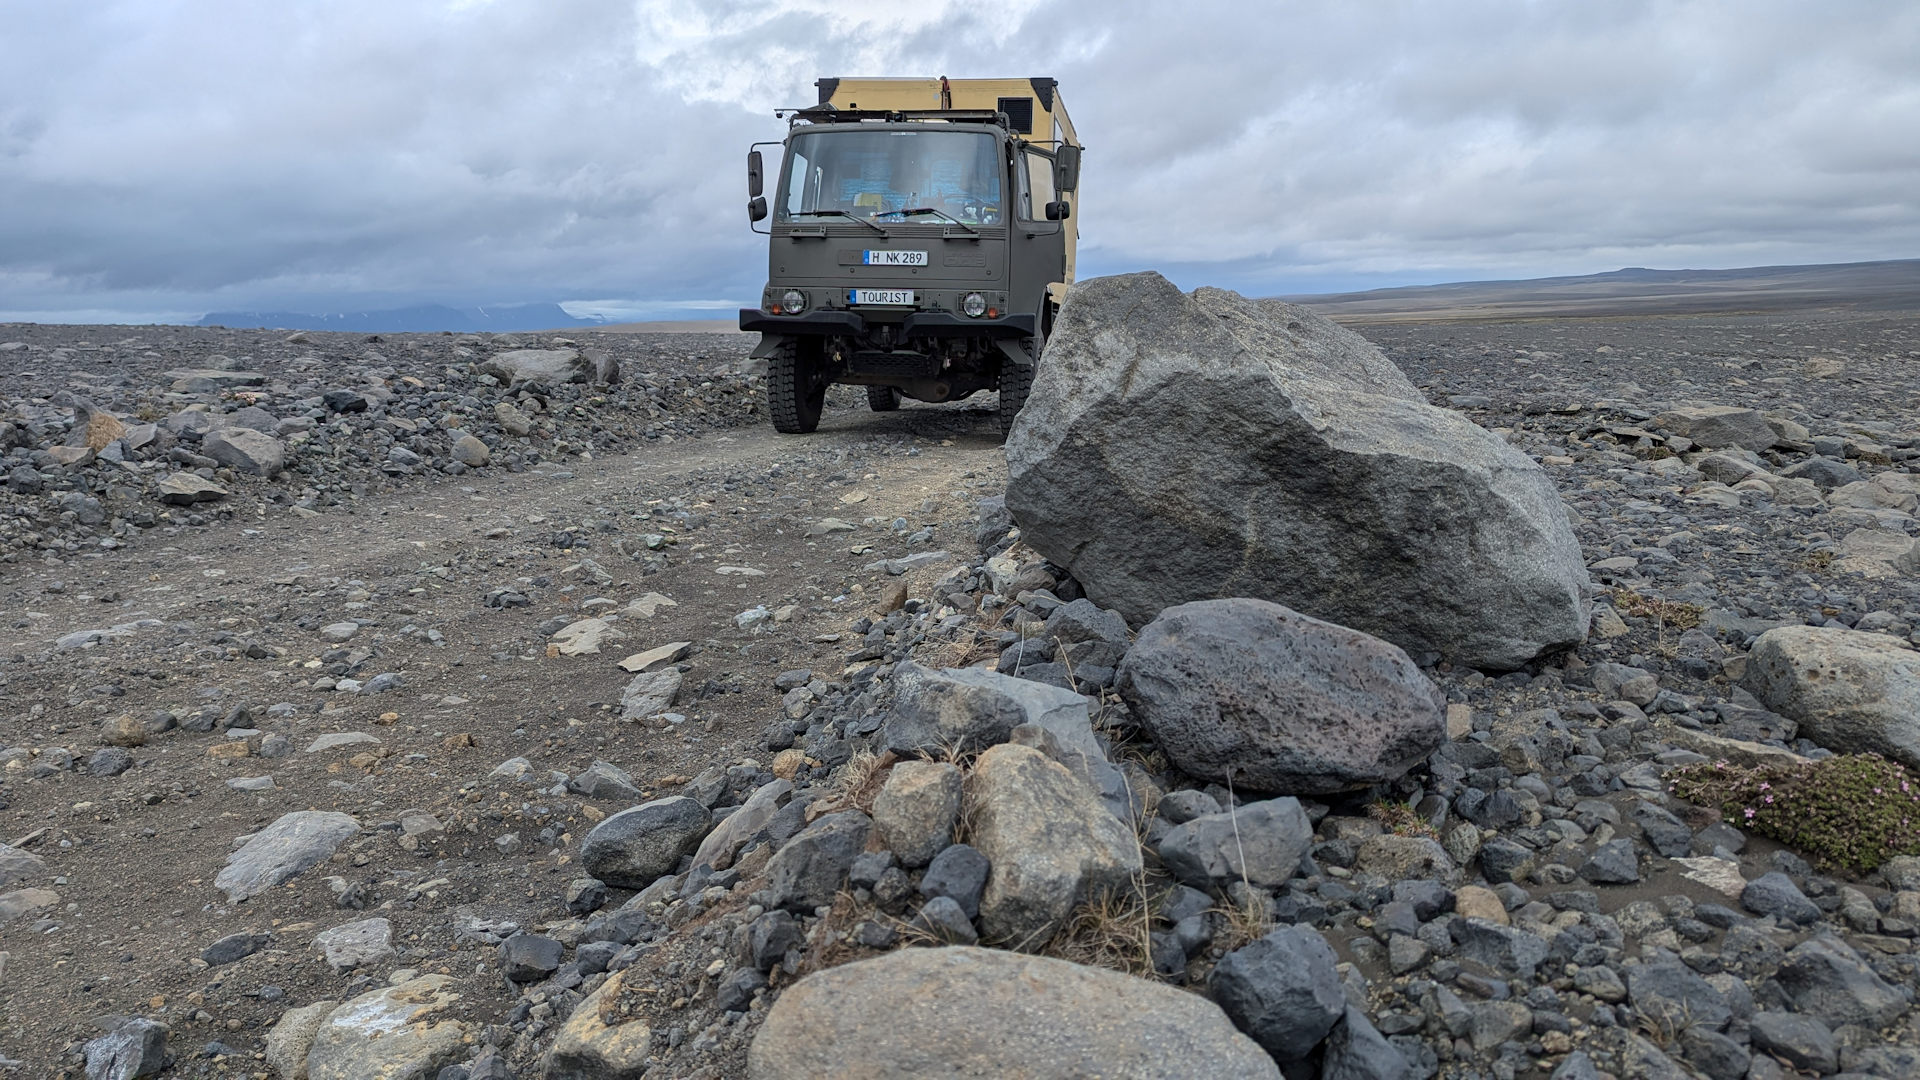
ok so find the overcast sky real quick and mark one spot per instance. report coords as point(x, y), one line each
point(163, 158)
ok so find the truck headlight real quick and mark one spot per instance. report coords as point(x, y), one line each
point(793, 301)
point(974, 305)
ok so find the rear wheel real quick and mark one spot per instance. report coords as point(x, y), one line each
point(797, 385)
point(883, 398)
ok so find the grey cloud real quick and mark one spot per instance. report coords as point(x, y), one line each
point(174, 157)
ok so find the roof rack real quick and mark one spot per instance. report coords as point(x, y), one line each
point(827, 114)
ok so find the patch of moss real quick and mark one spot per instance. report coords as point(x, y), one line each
point(1853, 810)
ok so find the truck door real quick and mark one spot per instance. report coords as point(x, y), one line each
point(1039, 246)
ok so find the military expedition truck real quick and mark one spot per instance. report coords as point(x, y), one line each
point(920, 242)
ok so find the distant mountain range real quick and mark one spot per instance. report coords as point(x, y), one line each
point(1876, 286)
point(422, 318)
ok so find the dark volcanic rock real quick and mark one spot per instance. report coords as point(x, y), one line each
point(1249, 692)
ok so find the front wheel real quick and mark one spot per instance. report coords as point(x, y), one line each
point(883, 398)
point(797, 386)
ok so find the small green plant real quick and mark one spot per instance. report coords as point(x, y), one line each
point(1854, 810)
point(1400, 819)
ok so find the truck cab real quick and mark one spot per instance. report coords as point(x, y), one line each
point(920, 238)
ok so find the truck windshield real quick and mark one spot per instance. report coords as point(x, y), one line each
point(882, 174)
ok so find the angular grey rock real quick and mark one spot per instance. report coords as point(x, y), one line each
point(290, 845)
point(1184, 447)
point(1801, 1041)
point(811, 868)
point(1612, 863)
point(638, 845)
point(1671, 995)
point(741, 826)
point(1774, 893)
point(1504, 949)
point(650, 694)
point(1827, 980)
point(942, 919)
point(185, 489)
point(134, 1049)
point(994, 524)
point(234, 948)
point(1719, 426)
point(356, 944)
point(962, 1011)
point(604, 780)
point(1282, 990)
point(916, 809)
point(967, 709)
point(1052, 844)
point(1851, 691)
point(17, 867)
point(1825, 472)
point(1260, 842)
point(1355, 1050)
point(528, 957)
point(1248, 692)
point(536, 365)
point(246, 450)
point(959, 872)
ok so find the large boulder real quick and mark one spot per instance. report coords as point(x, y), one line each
point(1850, 691)
point(1186, 447)
point(1050, 841)
point(1248, 692)
point(947, 1013)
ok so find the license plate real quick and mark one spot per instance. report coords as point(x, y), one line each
point(879, 296)
point(896, 258)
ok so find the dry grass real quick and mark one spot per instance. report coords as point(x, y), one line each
point(1245, 922)
point(1110, 931)
point(1818, 561)
point(1664, 613)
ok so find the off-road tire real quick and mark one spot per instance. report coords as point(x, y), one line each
point(1015, 382)
point(883, 398)
point(796, 386)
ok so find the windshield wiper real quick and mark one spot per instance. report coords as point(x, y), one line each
point(917, 210)
point(850, 217)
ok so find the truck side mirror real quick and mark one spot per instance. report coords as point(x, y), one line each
point(754, 171)
point(1066, 168)
point(1059, 211)
point(756, 209)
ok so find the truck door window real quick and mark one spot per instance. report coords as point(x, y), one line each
point(1036, 184)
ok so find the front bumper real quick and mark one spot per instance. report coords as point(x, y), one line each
point(916, 324)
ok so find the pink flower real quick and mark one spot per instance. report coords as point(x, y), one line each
point(1749, 813)
point(1769, 798)
point(1764, 786)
